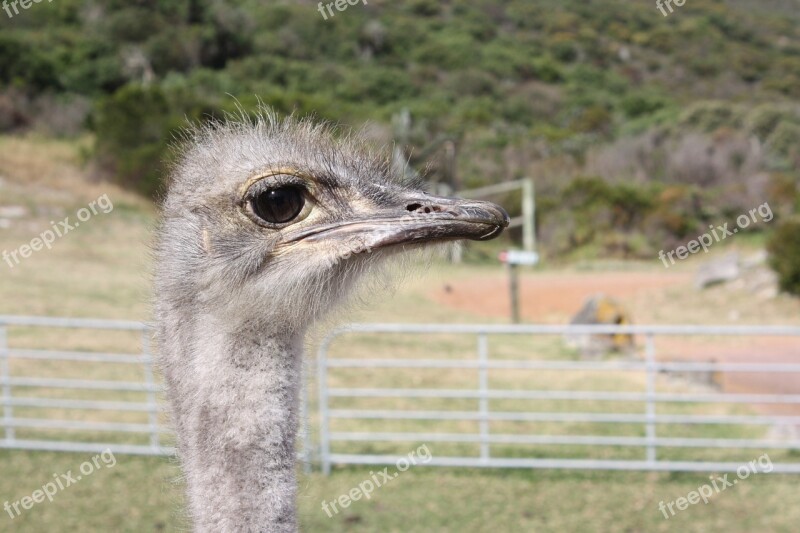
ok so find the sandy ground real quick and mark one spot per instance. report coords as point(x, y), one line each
point(555, 297)
point(550, 297)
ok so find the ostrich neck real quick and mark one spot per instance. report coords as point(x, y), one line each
point(236, 412)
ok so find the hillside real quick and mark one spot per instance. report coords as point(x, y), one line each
point(696, 111)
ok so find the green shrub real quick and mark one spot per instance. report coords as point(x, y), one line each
point(546, 70)
point(24, 66)
point(784, 254)
point(425, 8)
point(710, 116)
point(784, 141)
point(94, 67)
point(133, 128)
point(448, 51)
point(763, 120)
point(382, 85)
point(638, 105)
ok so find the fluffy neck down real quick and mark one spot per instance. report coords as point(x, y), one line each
point(234, 396)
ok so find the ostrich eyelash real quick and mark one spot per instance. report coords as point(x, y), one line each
point(284, 176)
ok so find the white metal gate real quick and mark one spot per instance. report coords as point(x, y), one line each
point(94, 409)
point(482, 363)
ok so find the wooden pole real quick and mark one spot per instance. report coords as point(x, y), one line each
point(514, 288)
point(528, 215)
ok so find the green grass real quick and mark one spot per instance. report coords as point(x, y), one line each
point(101, 271)
point(141, 495)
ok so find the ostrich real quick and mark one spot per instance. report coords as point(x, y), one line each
point(268, 224)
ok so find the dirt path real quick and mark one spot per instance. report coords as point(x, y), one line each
point(549, 298)
point(555, 297)
point(767, 350)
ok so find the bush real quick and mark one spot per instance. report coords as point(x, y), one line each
point(710, 116)
point(639, 105)
point(133, 128)
point(24, 66)
point(784, 254)
point(784, 141)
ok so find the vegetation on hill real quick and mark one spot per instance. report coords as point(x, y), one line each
point(784, 248)
point(639, 129)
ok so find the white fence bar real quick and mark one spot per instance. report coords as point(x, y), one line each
point(87, 447)
point(93, 405)
point(151, 395)
point(483, 389)
point(583, 440)
point(524, 416)
point(650, 406)
point(87, 357)
point(5, 373)
point(561, 365)
point(566, 395)
point(72, 323)
point(576, 329)
point(324, 414)
point(57, 383)
point(43, 423)
point(569, 464)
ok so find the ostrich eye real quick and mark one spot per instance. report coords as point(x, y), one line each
point(278, 206)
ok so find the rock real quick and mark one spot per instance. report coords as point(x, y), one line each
point(707, 378)
point(12, 211)
point(720, 270)
point(750, 274)
point(762, 282)
point(783, 432)
point(600, 309)
point(757, 259)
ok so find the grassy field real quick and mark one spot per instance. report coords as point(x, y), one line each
point(101, 270)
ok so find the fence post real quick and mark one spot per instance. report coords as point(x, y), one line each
point(322, 383)
point(528, 215)
point(650, 366)
point(5, 372)
point(152, 404)
point(304, 417)
point(483, 388)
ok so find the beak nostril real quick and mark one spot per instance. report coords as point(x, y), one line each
point(424, 208)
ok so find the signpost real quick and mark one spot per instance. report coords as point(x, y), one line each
point(514, 258)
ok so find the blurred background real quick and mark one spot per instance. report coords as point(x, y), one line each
point(610, 130)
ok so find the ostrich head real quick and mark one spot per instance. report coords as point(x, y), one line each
point(267, 224)
point(279, 217)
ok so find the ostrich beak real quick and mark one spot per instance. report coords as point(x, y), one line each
point(418, 220)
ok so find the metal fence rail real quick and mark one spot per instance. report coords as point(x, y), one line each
point(482, 364)
point(16, 392)
point(15, 395)
point(32, 392)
